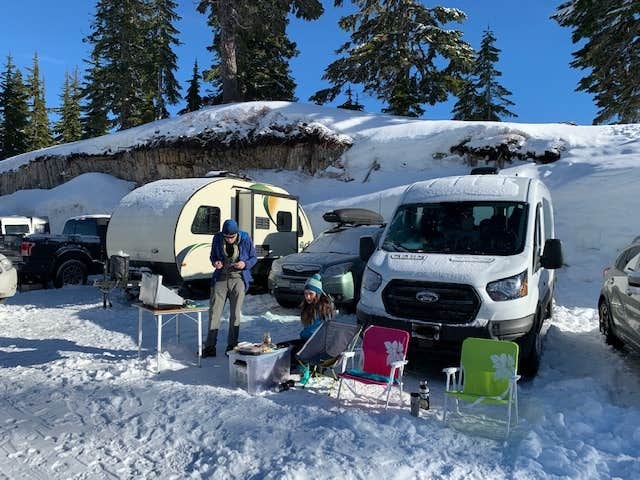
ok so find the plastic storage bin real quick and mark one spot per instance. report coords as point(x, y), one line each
point(259, 373)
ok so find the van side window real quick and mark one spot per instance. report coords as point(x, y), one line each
point(537, 239)
point(625, 257)
point(284, 221)
point(206, 221)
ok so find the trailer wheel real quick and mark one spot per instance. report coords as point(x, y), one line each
point(71, 272)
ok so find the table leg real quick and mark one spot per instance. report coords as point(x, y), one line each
point(199, 338)
point(178, 327)
point(159, 317)
point(139, 331)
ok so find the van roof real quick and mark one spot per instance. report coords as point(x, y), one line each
point(469, 188)
point(95, 215)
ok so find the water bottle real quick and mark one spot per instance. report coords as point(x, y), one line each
point(424, 395)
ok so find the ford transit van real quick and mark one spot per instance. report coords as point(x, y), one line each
point(465, 256)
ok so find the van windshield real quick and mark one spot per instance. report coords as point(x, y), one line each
point(469, 228)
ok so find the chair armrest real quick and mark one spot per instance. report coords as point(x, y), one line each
point(450, 370)
point(349, 354)
point(399, 363)
point(515, 379)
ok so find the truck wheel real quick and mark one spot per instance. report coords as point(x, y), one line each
point(606, 325)
point(71, 272)
point(532, 344)
point(287, 303)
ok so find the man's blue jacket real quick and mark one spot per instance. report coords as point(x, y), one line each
point(246, 252)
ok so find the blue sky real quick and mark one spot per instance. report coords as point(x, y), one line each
point(534, 59)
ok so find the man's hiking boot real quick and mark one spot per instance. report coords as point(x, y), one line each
point(209, 352)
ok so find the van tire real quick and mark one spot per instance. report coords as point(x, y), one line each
point(70, 272)
point(606, 325)
point(532, 343)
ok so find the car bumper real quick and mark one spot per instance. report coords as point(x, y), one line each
point(340, 287)
point(8, 283)
point(450, 337)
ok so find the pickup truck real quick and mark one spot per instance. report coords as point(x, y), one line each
point(68, 258)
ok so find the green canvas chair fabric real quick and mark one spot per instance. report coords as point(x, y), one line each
point(487, 375)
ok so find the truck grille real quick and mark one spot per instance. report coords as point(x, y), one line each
point(456, 303)
point(300, 270)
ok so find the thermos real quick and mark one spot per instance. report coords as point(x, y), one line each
point(415, 404)
point(424, 395)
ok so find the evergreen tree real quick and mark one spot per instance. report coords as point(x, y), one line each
point(38, 130)
point(395, 52)
point(95, 119)
point(14, 111)
point(350, 104)
point(482, 97)
point(194, 100)
point(69, 127)
point(252, 47)
point(610, 53)
point(163, 61)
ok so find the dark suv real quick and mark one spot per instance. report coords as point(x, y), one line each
point(334, 254)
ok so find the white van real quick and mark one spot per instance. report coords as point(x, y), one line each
point(19, 225)
point(465, 256)
point(168, 225)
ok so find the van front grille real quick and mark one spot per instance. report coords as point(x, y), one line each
point(448, 303)
point(300, 270)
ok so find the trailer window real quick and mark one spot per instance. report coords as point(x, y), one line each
point(16, 229)
point(206, 221)
point(284, 221)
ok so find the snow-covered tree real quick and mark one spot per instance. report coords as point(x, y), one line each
point(38, 130)
point(252, 48)
point(14, 111)
point(69, 127)
point(481, 96)
point(609, 33)
point(351, 104)
point(401, 52)
point(95, 115)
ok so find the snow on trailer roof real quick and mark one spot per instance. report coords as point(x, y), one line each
point(469, 188)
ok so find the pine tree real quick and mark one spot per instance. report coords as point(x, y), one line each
point(14, 111)
point(194, 100)
point(482, 97)
point(350, 104)
point(610, 53)
point(395, 52)
point(69, 127)
point(163, 61)
point(95, 119)
point(38, 130)
point(252, 47)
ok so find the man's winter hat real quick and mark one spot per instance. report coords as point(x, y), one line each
point(229, 227)
point(314, 283)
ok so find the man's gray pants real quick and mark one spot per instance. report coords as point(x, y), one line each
point(232, 288)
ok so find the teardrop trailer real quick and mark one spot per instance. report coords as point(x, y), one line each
point(167, 226)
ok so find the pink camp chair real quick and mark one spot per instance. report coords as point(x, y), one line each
point(384, 351)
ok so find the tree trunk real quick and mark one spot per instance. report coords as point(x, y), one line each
point(228, 23)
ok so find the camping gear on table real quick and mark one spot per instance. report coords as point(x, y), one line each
point(384, 353)
point(487, 376)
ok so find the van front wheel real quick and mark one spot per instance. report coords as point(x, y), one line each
point(530, 364)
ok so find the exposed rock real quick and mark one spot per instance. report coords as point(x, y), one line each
point(300, 146)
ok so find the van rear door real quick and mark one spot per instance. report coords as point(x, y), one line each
point(271, 219)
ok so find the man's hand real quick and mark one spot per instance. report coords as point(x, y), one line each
point(217, 264)
point(239, 265)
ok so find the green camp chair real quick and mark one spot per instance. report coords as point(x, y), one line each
point(487, 375)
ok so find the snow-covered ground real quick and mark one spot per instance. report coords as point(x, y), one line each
point(76, 402)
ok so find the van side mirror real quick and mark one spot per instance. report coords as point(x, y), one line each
point(367, 247)
point(552, 254)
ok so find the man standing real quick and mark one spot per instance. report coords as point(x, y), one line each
point(232, 256)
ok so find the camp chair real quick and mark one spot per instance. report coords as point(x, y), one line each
point(384, 353)
point(487, 375)
point(325, 348)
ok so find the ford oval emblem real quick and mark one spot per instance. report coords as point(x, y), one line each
point(427, 296)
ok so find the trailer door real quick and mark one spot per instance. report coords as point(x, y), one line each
point(272, 221)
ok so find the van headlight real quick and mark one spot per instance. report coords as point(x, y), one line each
point(340, 269)
point(5, 265)
point(276, 267)
point(371, 280)
point(509, 288)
